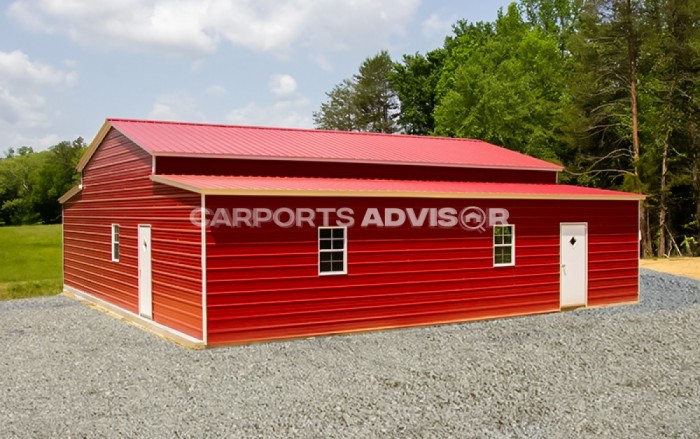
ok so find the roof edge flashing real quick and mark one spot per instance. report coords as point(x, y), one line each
point(75, 190)
point(174, 181)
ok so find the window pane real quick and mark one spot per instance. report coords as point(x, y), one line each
point(507, 257)
point(331, 244)
point(508, 239)
point(498, 239)
point(508, 230)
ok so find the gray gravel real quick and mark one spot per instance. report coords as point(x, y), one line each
point(69, 371)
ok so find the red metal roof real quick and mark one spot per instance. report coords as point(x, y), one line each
point(228, 141)
point(227, 185)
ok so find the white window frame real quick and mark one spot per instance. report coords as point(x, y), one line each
point(115, 240)
point(345, 251)
point(511, 246)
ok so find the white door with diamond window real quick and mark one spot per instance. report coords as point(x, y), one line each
point(574, 265)
point(145, 274)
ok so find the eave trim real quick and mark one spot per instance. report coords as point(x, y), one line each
point(101, 134)
point(70, 194)
point(389, 194)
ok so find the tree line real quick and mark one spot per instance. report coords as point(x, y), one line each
point(31, 182)
point(608, 88)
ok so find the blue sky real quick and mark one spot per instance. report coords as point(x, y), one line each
point(66, 65)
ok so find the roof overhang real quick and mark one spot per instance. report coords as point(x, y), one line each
point(327, 187)
point(75, 190)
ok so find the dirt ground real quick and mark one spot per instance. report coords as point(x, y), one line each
point(681, 266)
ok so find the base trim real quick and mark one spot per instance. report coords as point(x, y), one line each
point(136, 320)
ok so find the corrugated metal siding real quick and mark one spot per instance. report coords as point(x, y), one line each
point(613, 253)
point(117, 189)
point(281, 168)
point(263, 283)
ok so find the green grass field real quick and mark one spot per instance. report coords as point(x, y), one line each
point(30, 261)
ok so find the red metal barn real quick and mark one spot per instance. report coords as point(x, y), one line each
point(216, 234)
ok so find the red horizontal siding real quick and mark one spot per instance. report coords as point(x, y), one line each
point(613, 253)
point(117, 190)
point(263, 283)
point(281, 168)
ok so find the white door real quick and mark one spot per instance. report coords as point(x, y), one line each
point(145, 292)
point(574, 265)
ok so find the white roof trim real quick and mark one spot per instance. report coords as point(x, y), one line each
point(387, 194)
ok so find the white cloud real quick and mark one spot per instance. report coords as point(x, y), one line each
point(290, 108)
point(23, 83)
point(161, 111)
point(322, 62)
point(25, 109)
point(437, 26)
point(282, 85)
point(175, 106)
point(17, 68)
point(289, 113)
point(38, 143)
point(170, 26)
point(198, 26)
point(216, 90)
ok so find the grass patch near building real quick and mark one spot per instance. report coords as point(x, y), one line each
point(30, 261)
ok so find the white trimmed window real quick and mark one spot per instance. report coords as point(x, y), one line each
point(503, 245)
point(332, 250)
point(115, 242)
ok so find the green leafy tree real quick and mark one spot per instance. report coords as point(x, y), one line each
point(339, 112)
point(56, 177)
point(504, 85)
point(415, 81)
point(609, 88)
point(31, 182)
point(555, 17)
point(364, 103)
point(671, 67)
point(604, 115)
point(18, 175)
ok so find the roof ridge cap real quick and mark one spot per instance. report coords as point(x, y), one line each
point(309, 130)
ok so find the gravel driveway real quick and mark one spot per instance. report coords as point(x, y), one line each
point(69, 371)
